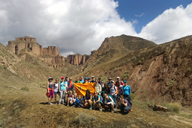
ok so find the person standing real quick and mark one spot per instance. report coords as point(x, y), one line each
point(98, 87)
point(62, 91)
point(77, 80)
point(93, 79)
point(113, 90)
point(99, 80)
point(56, 89)
point(110, 82)
point(127, 92)
point(50, 89)
point(85, 80)
point(88, 80)
point(82, 80)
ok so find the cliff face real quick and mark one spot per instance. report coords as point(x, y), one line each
point(49, 55)
point(77, 59)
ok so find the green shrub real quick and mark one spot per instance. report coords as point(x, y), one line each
point(174, 107)
point(104, 78)
point(25, 89)
point(84, 119)
point(126, 75)
point(189, 69)
point(132, 96)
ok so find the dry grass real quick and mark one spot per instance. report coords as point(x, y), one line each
point(174, 107)
point(84, 119)
point(25, 89)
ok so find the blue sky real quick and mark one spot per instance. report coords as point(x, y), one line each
point(145, 11)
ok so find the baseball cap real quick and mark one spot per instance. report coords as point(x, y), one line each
point(62, 77)
point(92, 76)
point(125, 81)
point(85, 78)
point(118, 77)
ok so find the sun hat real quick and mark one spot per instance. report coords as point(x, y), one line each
point(50, 78)
point(125, 81)
point(92, 76)
point(110, 79)
point(67, 76)
point(118, 77)
point(85, 78)
point(99, 77)
point(88, 78)
point(62, 78)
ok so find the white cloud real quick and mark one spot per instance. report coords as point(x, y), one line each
point(170, 25)
point(80, 26)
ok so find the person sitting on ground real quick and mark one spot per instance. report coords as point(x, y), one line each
point(93, 79)
point(109, 103)
point(125, 105)
point(110, 82)
point(85, 80)
point(99, 80)
point(56, 89)
point(50, 89)
point(88, 80)
point(77, 80)
point(127, 92)
point(69, 98)
point(98, 87)
point(88, 100)
point(62, 91)
point(97, 101)
point(113, 90)
point(74, 98)
point(82, 80)
point(77, 102)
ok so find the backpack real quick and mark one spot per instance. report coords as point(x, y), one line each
point(113, 99)
point(101, 98)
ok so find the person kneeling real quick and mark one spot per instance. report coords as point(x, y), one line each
point(125, 105)
point(109, 103)
point(88, 100)
point(77, 102)
point(70, 99)
point(97, 101)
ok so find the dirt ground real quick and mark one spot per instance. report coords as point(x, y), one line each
point(29, 109)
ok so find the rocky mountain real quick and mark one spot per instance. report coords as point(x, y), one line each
point(162, 73)
point(115, 47)
point(77, 59)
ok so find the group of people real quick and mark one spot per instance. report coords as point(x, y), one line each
point(111, 95)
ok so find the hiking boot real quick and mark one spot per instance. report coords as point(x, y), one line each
point(50, 103)
point(58, 104)
point(131, 110)
point(112, 111)
point(100, 109)
point(90, 108)
point(115, 109)
point(67, 105)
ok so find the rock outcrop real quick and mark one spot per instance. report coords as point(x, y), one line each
point(31, 44)
point(77, 59)
point(49, 54)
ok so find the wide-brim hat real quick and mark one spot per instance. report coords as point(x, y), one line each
point(50, 78)
point(110, 79)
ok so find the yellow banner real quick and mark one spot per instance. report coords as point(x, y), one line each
point(82, 88)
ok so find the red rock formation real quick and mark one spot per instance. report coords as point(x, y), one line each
point(77, 59)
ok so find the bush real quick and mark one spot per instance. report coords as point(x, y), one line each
point(174, 107)
point(84, 119)
point(25, 89)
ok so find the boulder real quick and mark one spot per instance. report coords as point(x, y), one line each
point(160, 108)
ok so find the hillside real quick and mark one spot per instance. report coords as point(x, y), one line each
point(115, 47)
point(160, 73)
